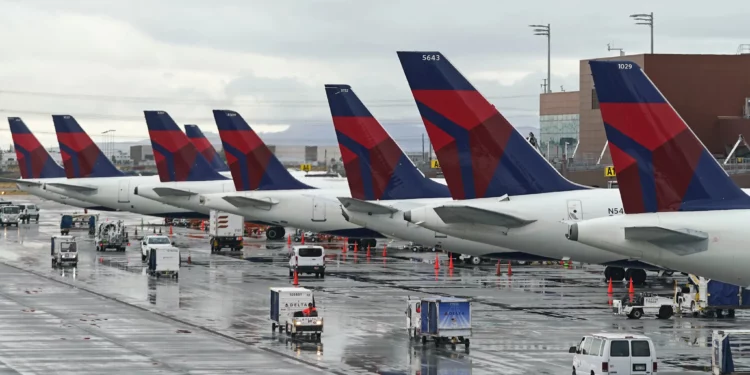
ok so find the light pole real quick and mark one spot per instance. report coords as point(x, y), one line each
point(109, 144)
point(648, 20)
point(544, 30)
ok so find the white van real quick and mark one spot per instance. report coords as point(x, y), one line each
point(614, 353)
point(308, 259)
point(9, 215)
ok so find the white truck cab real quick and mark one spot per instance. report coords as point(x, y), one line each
point(64, 250)
point(614, 353)
point(308, 259)
point(10, 215)
point(153, 242)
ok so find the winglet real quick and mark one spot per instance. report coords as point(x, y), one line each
point(253, 165)
point(200, 141)
point(177, 159)
point(661, 165)
point(33, 159)
point(376, 167)
point(81, 156)
point(480, 152)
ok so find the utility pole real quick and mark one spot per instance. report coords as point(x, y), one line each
point(544, 30)
point(647, 20)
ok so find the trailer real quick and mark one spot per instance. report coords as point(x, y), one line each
point(226, 231)
point(164, 261)
point(111, 235)
point(444, 319)
point(287, 306)
point(710, 298)
point(77, 222)
point(722, 358)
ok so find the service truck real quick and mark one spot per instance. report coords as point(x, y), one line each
point(111, 235)
point(287, 312)
point(225, 231)
point(710, 298)
point(64, 251)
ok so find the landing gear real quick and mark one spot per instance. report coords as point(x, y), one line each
point(275, 233)
point(614, 273)
point(364, 242)
point(638, 276)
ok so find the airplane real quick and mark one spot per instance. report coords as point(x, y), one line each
point(299, 205)
point(682, 210)
point(37, 167)
point(384, 182)
point(506, 193)
point(93, 178)
point(200, 141)
point(185, 173)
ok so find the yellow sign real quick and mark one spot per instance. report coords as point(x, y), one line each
point(305, 167)
point(610, 172)
point(434, 164)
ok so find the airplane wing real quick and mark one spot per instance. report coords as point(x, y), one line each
point(20, 181)
point(78, 188)
point(359, 205)
point(238, 201)
point(475, 215)
point(165, 191)
point(664, 236)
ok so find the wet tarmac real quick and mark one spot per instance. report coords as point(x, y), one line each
point(108, 315)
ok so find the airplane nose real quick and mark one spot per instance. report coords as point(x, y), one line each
point(407, 216)
point(572, 232)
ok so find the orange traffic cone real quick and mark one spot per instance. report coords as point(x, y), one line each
point(385, 251)
point(450, 262)
point(437, 262)
point(170, 230)
point(343, 249)
point(498, 272)
point(510, 271)
point(356, 245)
point(303, 239)
point(609, 288)
point(289, 240)
point(631, 290)
point(296, 279)
point(190, 260)
point(368, 251)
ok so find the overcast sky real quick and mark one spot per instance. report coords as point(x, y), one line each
point(106, 61)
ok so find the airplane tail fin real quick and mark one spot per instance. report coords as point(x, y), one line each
point(200, 141)
point(376, 167)
point(253, 165)
point(480, 153)
point(81, 156)
point(661, 165)
point(33, 159)
point(177, 159)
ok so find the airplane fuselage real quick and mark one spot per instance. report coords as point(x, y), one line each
point(721, 256)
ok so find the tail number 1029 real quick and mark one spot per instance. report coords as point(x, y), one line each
point(624, 66)
point(430, 57)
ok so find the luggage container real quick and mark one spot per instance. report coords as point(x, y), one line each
point(164, 261)
point(444, 319)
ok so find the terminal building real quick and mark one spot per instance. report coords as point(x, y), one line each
point(710, 92)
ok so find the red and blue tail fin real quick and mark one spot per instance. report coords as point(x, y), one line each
point(177, 159)
point(33, 159)
point(661, 165)
point(81, 156)
point(253, 165)
point(480, 153)
point(200, 141)
point(376, 168)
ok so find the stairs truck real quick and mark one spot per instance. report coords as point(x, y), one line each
point(710, 298)
point(225, 231)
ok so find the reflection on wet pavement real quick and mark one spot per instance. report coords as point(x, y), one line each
point(216, 317)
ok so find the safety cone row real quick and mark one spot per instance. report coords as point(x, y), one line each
point(450, 262)
point(498, 271)
point(295, 282)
